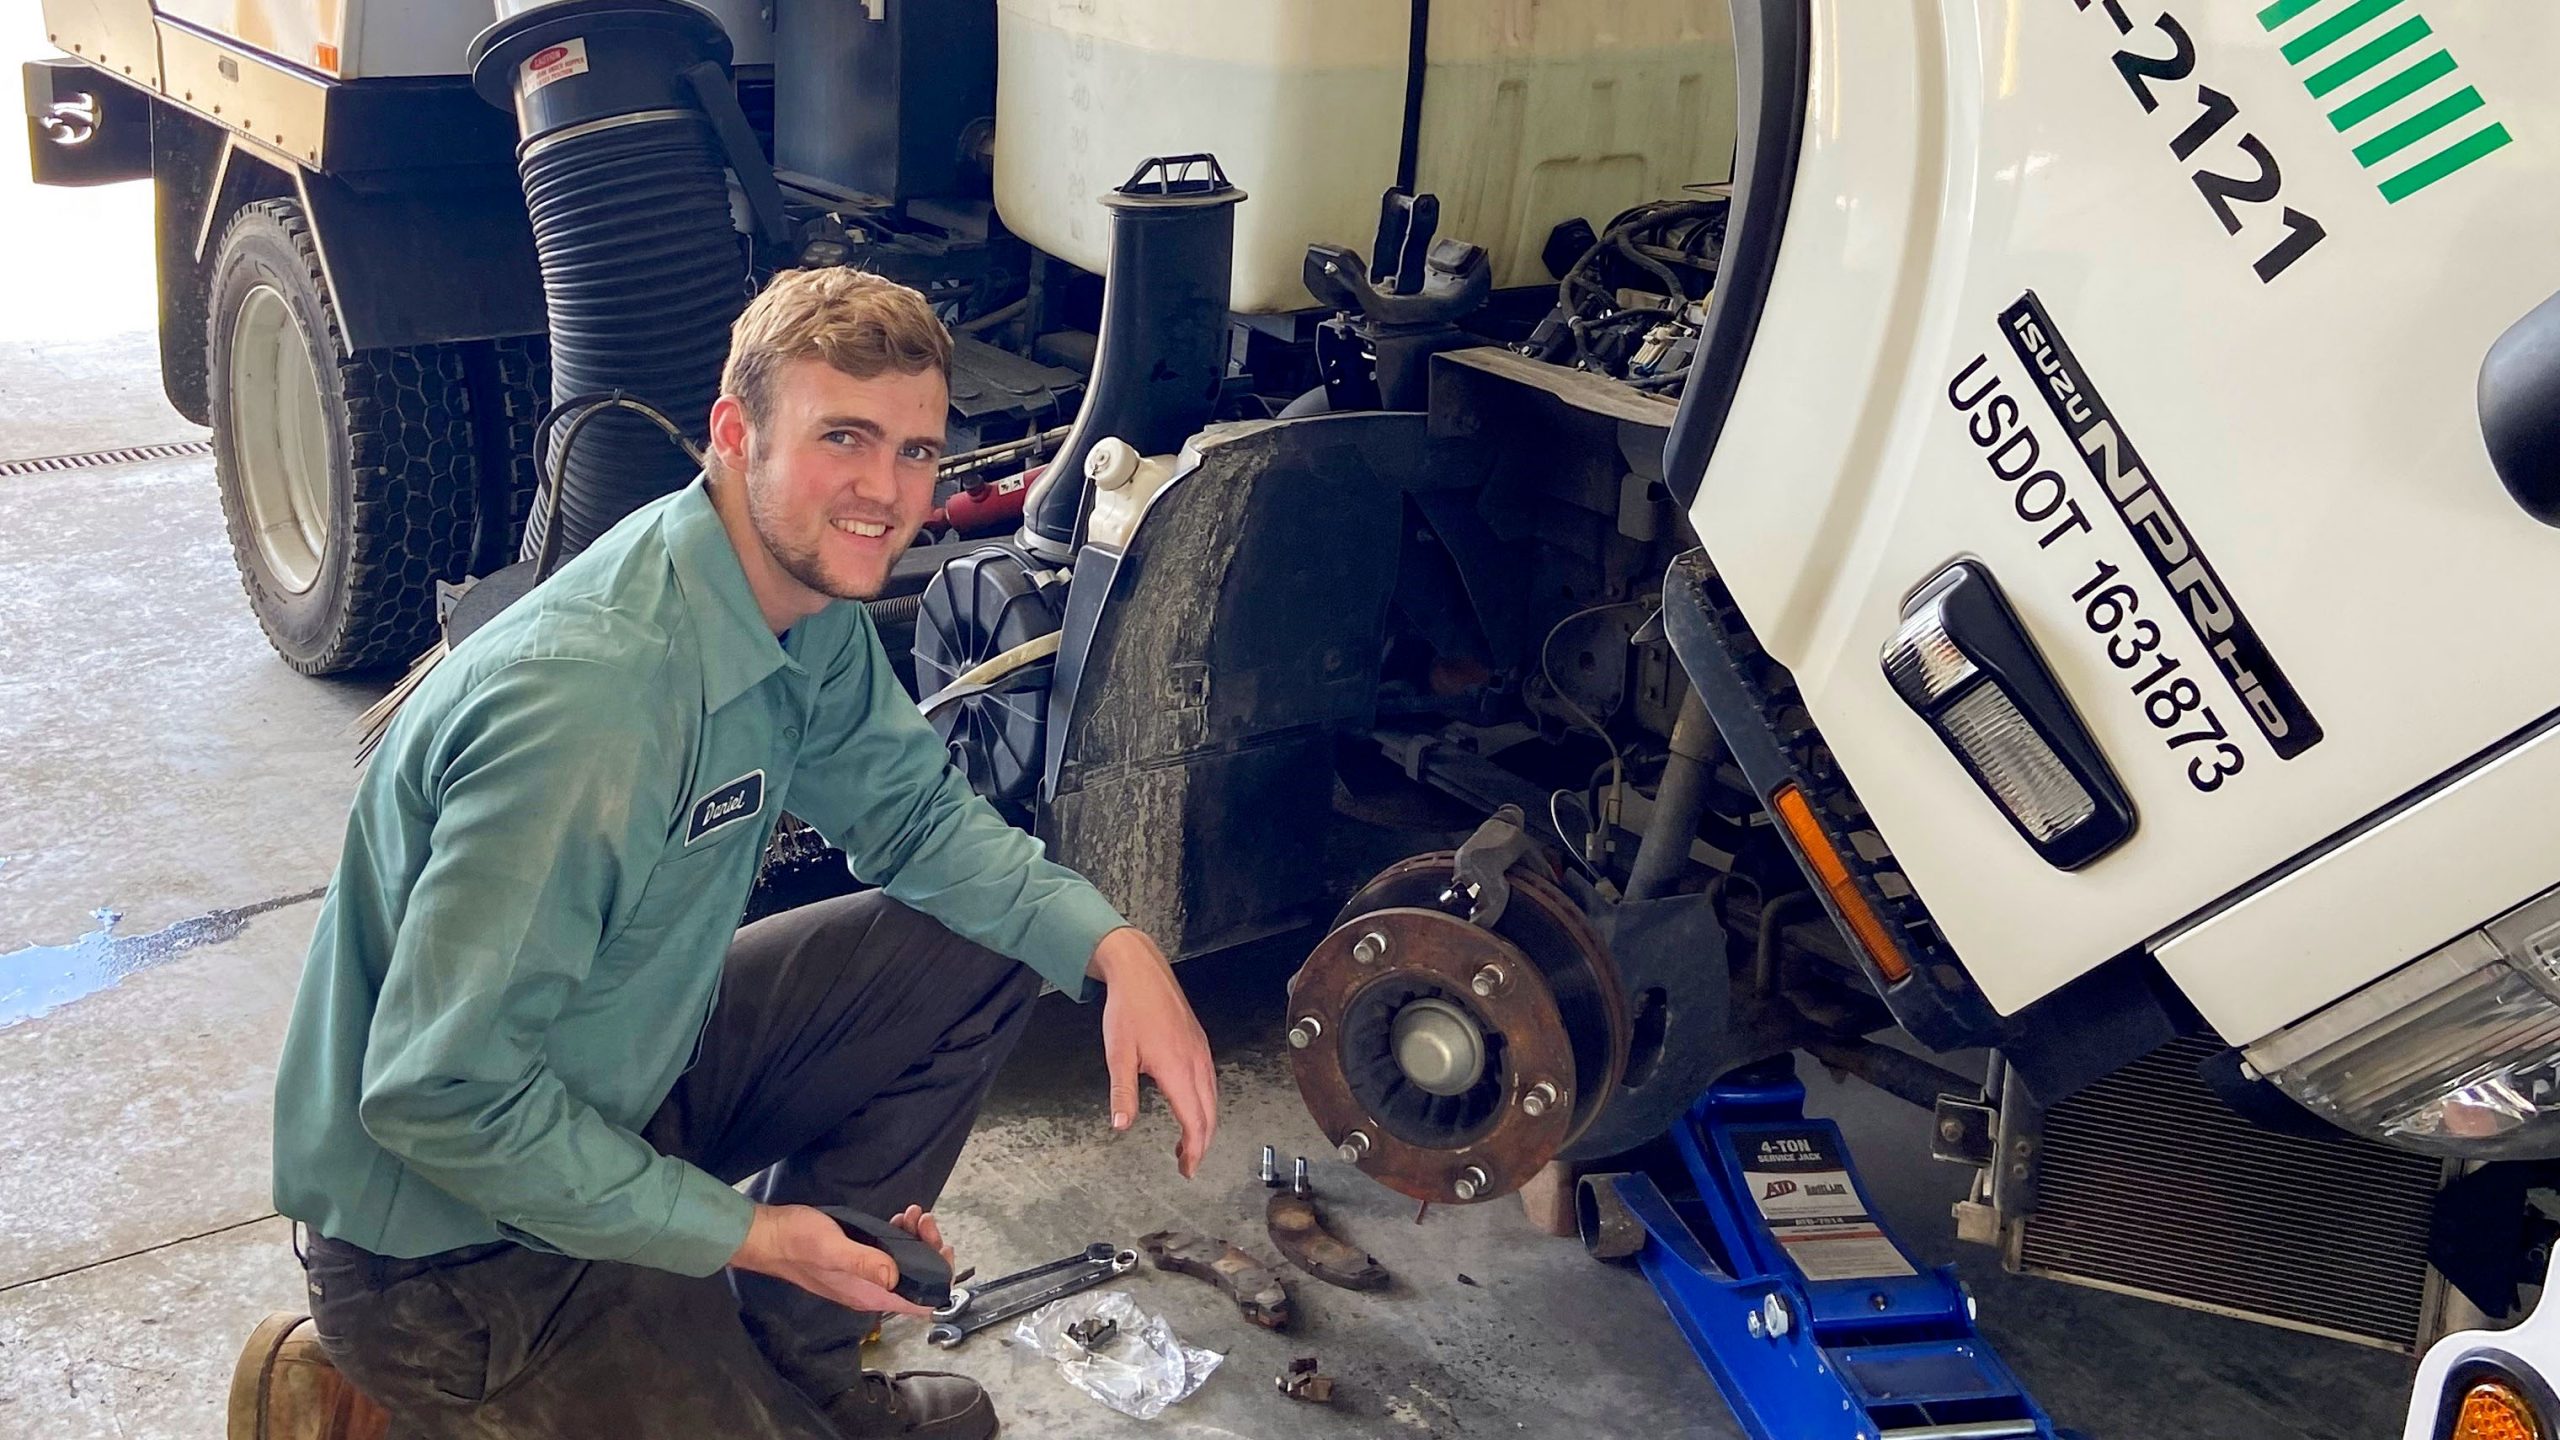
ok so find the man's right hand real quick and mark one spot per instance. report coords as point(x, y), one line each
point(803, 1246)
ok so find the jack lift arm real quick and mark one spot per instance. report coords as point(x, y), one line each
point(1811, 1317)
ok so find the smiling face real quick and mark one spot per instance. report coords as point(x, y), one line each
point(839, 477)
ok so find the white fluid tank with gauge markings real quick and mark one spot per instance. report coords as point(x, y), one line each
point(1533, 112)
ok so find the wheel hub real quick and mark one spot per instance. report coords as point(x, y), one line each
point(1438, 1046)
point(1447, 1060)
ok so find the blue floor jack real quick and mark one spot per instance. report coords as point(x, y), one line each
point(1811, 1317)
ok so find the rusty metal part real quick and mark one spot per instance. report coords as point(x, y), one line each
point(1610, 1231)
point(1250, 1283)
point(1298, 1232)
point(1303, 1381)
point(1537, 992)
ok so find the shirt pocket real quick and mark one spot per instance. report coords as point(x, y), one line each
point(712, 844)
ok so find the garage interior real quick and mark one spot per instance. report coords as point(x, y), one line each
point(172, 800)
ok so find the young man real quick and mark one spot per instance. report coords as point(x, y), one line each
point(530, 1059)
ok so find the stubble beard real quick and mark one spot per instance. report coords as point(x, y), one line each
point(798, 560)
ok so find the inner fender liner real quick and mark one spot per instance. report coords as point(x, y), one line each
point(1205, 672)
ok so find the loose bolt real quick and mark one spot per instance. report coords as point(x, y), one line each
point(1353, 1146)
point(1540, 1096)
point(1371, 948)
point(1304, 1033)
point(1488, 981)
point(1470, 1183)
point(1298, 1177)
point(1270, 1173)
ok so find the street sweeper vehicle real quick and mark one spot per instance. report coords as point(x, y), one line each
point(1792, 529)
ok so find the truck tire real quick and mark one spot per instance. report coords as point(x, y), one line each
point(510, 392)
point(349, 482)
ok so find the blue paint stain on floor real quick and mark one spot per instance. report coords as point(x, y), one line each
point(40, 978)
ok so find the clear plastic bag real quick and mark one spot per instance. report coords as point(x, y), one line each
point(1138, 1371)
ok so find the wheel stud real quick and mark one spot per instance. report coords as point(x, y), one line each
point(1489, 981)
point(1304, 1033)
point(1470, 1183)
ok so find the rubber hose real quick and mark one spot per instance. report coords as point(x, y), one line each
point(642, 275)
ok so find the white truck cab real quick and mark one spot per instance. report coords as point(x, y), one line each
point(2107, 471)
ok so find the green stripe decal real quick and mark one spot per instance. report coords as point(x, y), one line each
point(2400, 37)
point(2390, 100)
point(2334, 29)
point(2419, 126)
point(2427, 172)
point(2392, 91)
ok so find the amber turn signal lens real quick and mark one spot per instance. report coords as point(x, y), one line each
point(2493, 1411)
point(1796, 814)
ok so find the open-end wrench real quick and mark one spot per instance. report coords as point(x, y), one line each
point(947, 1333)
point(1097, 1253)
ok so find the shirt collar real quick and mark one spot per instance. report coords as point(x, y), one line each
point(738, 649)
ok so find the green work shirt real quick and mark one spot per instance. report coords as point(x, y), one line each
point(543, 868)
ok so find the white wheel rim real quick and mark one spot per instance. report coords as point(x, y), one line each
point(280, 439)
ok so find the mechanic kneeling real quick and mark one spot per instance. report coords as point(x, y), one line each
point(532, 1055)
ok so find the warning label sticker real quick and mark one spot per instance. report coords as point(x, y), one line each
point(555, 62)
point(1812, 1207)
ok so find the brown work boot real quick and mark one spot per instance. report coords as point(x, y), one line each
point(284, 1388)
point(926, 1403)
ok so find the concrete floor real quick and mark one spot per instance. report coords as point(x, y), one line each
point(158, 763)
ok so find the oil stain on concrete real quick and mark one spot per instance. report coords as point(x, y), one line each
point(39, 978)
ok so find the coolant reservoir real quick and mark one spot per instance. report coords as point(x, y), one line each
point(1123, 482)
point(1533, 112)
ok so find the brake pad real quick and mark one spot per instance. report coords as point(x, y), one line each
point(924, 1277)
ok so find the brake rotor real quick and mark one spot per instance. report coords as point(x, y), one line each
point(1447, 1060)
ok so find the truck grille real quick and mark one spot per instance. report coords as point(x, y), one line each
point(2148, 1184)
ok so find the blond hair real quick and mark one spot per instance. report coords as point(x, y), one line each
point(859, 323)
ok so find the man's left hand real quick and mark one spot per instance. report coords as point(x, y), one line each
point(1148, 1029)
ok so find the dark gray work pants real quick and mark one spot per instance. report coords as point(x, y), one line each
point(844, 1065)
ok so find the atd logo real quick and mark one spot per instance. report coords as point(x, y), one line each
point(1778, 1188)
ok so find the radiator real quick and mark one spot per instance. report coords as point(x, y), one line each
point(2148, 1185)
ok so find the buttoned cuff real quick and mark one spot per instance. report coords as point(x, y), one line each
point(704, 1227)
point(1064, 935)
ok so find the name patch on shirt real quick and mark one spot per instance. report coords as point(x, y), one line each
point(738, 800)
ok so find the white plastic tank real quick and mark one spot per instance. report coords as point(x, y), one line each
point(1533, 112)
point(1124, 482)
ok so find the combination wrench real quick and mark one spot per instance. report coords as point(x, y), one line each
point(971, 1311)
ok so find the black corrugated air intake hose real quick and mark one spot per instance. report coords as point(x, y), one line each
point(1162, 350)
point(642, 270)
